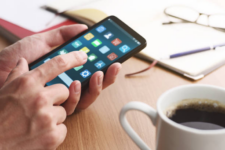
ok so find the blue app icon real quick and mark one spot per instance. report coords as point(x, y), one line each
point(100, 29)
point(85, 73)
point(99, 64)
point(124, 48)
point(108, 35)
point(104, 49)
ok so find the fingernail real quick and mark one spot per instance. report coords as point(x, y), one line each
point(77, 87)
point(100, 78)
point(83, 55)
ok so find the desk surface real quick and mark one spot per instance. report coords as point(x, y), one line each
point(98, 127)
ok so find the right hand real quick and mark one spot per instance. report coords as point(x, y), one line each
point(31, 117)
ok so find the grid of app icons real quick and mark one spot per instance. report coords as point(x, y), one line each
point(99, 64)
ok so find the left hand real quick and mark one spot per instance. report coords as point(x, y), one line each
point(33, 47)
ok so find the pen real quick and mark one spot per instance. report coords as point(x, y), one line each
point(212, 47)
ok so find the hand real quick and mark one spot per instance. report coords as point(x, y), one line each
point(33, 47)
point(31, 115)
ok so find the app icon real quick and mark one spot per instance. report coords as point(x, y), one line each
point(124, 48)
point(76, 43)
point(88, 36)
point(78, 68)
point(96, 43)
point(85, 49)
point(104, 49)
point(85, 73)
point(61, 52)
point(112, 56)
point(92, 57)
point(108, 35)
point(99, 64)
point(116, 42)
point(100, 29)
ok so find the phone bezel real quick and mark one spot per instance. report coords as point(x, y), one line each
point(120, 60)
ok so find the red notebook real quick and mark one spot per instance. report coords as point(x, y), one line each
point(13, 32)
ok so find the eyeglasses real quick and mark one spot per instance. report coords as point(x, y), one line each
point(188, 14)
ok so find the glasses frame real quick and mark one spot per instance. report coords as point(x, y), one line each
point(199, 14)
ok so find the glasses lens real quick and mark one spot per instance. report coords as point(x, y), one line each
point(217, 21)
point(182, 12)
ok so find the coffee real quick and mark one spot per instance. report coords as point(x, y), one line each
point(201, 114)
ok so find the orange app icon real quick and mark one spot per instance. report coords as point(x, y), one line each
point(112, 56)
point(116, 42)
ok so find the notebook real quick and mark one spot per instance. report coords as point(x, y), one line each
point(163, 40)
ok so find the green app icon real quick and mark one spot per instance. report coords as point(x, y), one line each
point(78, 68)
point(96, 43)
point(92, 57)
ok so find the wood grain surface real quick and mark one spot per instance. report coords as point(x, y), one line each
point(98, 127)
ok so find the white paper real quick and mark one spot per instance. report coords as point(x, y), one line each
point(28, 14)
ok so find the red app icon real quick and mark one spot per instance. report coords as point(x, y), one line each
point(116, 42)
point(112, 56)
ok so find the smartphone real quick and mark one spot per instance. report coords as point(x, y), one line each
point(105, 43)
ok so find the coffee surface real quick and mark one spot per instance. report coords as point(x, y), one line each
point(201, 114)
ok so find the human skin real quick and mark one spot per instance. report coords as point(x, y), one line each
point(32, 115)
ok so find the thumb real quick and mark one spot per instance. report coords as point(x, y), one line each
point(21, 68)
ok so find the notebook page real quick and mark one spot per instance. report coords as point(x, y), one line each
point(164, 40)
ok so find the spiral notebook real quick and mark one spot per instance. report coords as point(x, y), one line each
point(165, 40)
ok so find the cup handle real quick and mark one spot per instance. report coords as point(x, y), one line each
point(126, 126)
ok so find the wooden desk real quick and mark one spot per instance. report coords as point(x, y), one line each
point(98, 127)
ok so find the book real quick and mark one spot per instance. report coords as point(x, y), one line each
point(164, 40)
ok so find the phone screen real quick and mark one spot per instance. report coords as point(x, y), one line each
point(104, 44)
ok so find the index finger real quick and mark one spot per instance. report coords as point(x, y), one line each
point(57, 65)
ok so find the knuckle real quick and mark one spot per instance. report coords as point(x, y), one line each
point(46, 119)
point(60, 61)
point(41, 100)
point(52, 140)
point(26, 81)
point(37, 73)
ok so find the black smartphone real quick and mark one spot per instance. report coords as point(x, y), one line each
point(108, 41)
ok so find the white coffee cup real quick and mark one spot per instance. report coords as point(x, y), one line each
point(171, 135)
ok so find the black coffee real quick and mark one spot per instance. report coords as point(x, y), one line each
point(199, 114)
